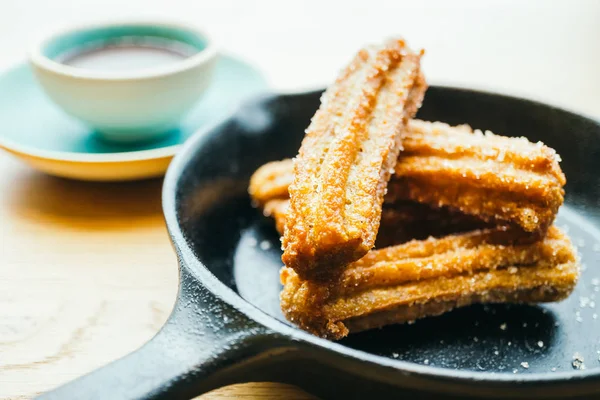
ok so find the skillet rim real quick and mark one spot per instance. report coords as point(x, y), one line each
point(221, 291)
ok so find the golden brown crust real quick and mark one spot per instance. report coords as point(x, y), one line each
point(420, 278)
point(533, 290)
point(269, 183)
point(501, 179)
point(346, 158)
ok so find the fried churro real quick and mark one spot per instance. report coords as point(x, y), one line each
point(498, 179)
point(429, 277)
point(271, 182)
point(346, 159)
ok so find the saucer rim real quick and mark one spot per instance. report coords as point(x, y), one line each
point(66, 156)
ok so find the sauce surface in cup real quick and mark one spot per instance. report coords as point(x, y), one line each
point(128, 54)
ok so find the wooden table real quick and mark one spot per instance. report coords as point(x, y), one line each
point(87, 274)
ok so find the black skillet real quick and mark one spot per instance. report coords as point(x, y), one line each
point(226, 326)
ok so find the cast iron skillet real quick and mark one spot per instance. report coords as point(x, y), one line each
point(226, 325)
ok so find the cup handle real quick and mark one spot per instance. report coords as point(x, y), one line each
point(202, 339)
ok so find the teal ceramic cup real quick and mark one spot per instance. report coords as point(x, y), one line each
point(131, 104)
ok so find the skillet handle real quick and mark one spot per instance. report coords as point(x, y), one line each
point(203, 339)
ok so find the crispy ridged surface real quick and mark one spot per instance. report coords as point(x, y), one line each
point(499, 179)
point(346, 158)
point(428, 277)
point(400, 222)
point(269, 183)
point(535, 286)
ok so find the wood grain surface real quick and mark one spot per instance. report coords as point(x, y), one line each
point(87, 274)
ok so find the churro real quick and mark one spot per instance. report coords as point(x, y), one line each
point(497, 178)
point(346, 158)
point(429, 277)
point(271, 181)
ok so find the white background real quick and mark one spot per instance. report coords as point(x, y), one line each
point(548, 50)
